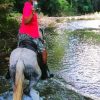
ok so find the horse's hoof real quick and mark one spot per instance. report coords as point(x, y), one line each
point(27, 91)
point(47, 76)
point(51, 76)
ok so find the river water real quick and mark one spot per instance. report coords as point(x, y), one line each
point(81, 62)
point(74, 57)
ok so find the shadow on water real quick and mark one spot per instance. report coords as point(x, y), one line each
point(52, 89)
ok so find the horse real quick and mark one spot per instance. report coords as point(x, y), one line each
point(23, 65)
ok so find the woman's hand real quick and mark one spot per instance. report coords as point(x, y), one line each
point(33, 11)
point(27, 20)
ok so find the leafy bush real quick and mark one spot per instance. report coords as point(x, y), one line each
point(18, 5)
point(9, 29)
point(84, 6)
point(7, 26)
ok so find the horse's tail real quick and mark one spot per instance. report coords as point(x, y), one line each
point(19, 79)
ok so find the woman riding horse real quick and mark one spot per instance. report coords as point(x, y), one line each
point(29, 28)
point(23, 60)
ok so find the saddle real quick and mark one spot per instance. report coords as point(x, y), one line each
point(28, 44)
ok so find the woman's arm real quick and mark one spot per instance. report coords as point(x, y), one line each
point(27, 20)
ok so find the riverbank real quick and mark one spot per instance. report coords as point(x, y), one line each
point(55, 21)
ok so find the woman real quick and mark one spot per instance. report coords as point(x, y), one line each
point(29, 29)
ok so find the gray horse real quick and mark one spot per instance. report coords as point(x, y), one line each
point(23, 64)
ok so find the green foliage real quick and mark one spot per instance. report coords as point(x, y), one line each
point(9, 29)
point(7, 26)
point(18, 5)
point(5, 7)
point(83, 6)
point(6, 1)
point(54, 7)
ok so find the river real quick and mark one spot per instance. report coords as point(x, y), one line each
point(81, 62)
point(74, 57)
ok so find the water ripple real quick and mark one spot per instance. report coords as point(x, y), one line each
point(82, 66)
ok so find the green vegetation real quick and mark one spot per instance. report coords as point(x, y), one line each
point(90, 36)
point(59, 7)
point(56, 46)
point(8, 26)
point(86, 35)
point(63, 7)
point(55, 7)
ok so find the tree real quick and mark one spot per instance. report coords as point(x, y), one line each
point(96, 5)
point(18, 5)
point(54, 7)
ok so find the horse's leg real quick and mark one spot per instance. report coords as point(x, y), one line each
point(35, 76)
point(44, 68)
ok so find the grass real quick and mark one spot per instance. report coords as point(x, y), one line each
point(86, 35)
